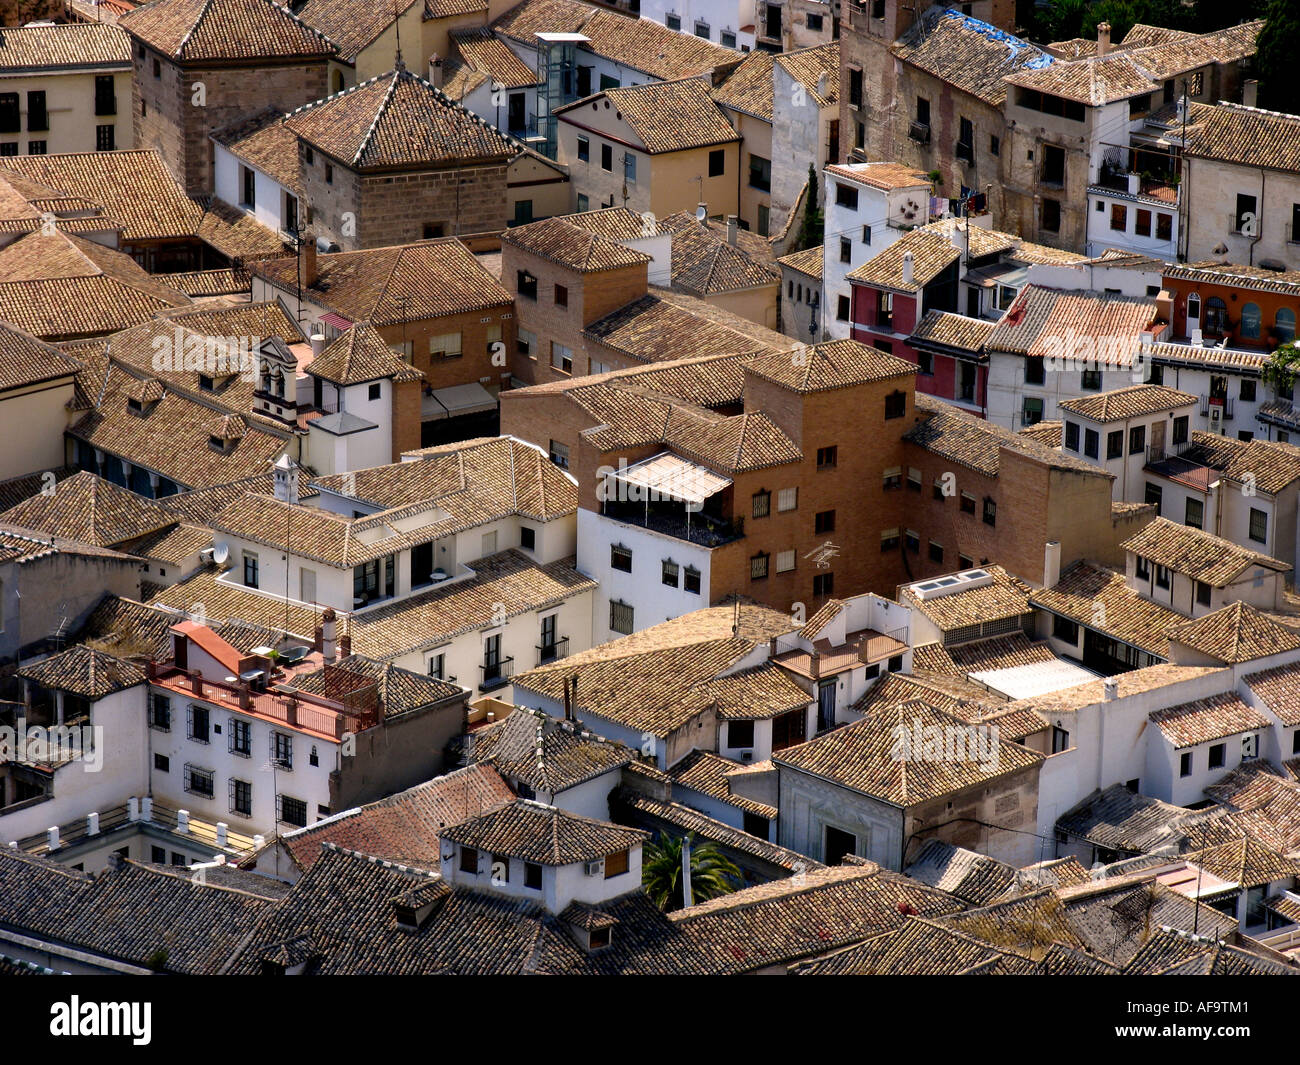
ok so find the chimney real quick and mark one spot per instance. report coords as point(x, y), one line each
point(1197, 339)
point(146, 808)
point(435, 71)
point(133, 809)
point(223, 834)
point(182, 820)
point(317, 344)
point(908, 272)
point(245, 699)
point(821, 84)
point(286, 480)
point(959, 239)
point(308, 260)
point(816, 664)
point(345, 646)
point(771, 647)
point(52, 836)
point(328, 634)
point(115, 861)
point(1103, 38)
point(1111, 687)
point(1250, 92)
point(732, 225)
point(1051, 563)
point(92, 824)
point(196, 682)
point(568, 705)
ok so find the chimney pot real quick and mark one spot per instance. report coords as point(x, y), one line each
point(182, 820)
point(908, 267)
point(733, 224)
point(92, 824)
point(223, 834)
point(1111, 687)
point(308, 260)
point(1103, 38)
point(328, 634)
point(146, 809)
point(53, 837)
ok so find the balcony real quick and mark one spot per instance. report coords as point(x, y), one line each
point(919, 132)
point(553, 652)
point(707, 530)
point(1223, 402)
point(497, 674)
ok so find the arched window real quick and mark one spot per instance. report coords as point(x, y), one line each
point(1250, 319)
point(1284, 325)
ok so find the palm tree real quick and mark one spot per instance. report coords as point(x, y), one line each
point(712, 872)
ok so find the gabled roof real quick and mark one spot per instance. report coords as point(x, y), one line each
point(829, 366)
point(547, 753)
point(478, 55)
point(83, 671)
point(1245, 136)
point(666, 116)
point(394, 121)
point(1119, 819)
point(24, 360)
point(69, 45)
point(358, 355)
point(1205, 720)
point(572, 245)
point(542, 834)
point(956, 332)
point(1196, 553)
point(1045, 322)
point(225, 30)
point(1134, 401)
point(706, 262)
point(88, 508)
point(1279, 691)
point(1237, 633)
point(352, 25)
point(1128, 617)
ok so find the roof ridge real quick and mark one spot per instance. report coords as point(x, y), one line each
point(203, 14)
point(379, 114)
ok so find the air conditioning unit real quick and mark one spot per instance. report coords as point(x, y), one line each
point(919, 132)
point(596, 868)
point(746, 756)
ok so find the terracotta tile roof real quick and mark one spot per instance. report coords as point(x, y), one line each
point(801, 917)
point(1006, 597)
point(85, 672)
point(1170, 354)
point(972, 877)
point(358, 355)
point(883, 175)
point(88, 508)
point(615, 223)
point(223, 601)
point(24, 360)
point(1128, 617)
point(1236, 275)
point(400, 690)
point(954, 331)
point(756, 694)
point(1132, 402)
point(533, 832)
point(817, 69)
point(748, 86)
point(248, 30)
point(351, 25)
point(1122, 820)
point(666, 116)
point(1245, 862)
point(863, 757)
point(425, 620)
point(220, 282)
point(479, 55)
point(1169, 954)
point(25, 546)
point(706, 263)
point(1257, 801)
point(706, 773)
point(1271, 465)
point(396, 120)
point(1279, 690)
point(1208, 719)
point(1000, 652)
point(652, 329)
point(569, 754)
point(969, 54)
point(1043, 321)
point(1198, 554)
point(807, 262)
point(263, 141)
point(828, 366)
point(1048, 434)
point(932, 253)
point(402, 283)
point(572, 246)
point(99, 45)
point(1237, 633)
point(1245, 136)
point(977, 444)
point(638, 43)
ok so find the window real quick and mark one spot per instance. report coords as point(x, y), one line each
point(1090, 380)
point(784, 561)
point(241, 797)
point(990, 511)
point(717, 162)
point(758, 566)
point(1162, 577)
point(760, 173)
point(527, 538)
point(561, 358)
point(1115, 444)
point(1284, 327)
point(241, 737)
point(250, 570)
point(199, 781)
point(1066, 630)
point(526, 343)
point(912, 541)
point(966, 140)
point(878, 9)
point(889, 540)
point(1258, 526)
point(1119, 217)
point(922, 111)
point(1247, 392)
point(526, 284)
point(670, 572)
point(761, 504)
point(1137, 439)
point(1244, 221)
point(620, 558)
point(584, 149)
point(1250, 320)
point(1142, 223)
point(105, 98)
point(160, 713)
point(702, 29)
point(200, 724)
point(1164, 227)
point(620, 617)
point(561, 296)
point(893, 477)
point(846, 196)
point(469, 860)
point(329, 173)
point(629, 168)
point(1217, 753)
point(372, 393)
point(1031, 413)
point(673, 22)
point(1142, 568)
point(846, 250)
point(787, 499)
point(913, 479)
point(691, 580)
point(38, 120)
point(607, 157)
point(1180, 430)
point(560, 454)
point(925, 363)
point(967, 503)
point(157, 68)
point(1051, 216)
point(105, 138)
point(827, 457)
point(1091, 443)
point(1071, 436)
point(936, 552)
point(532, 876)
point(1195, 516)
point(282, 750)
point(995, 146)
point(824, 522)
point(162, 763)
point(823, 584)
point(1035, 371)
point(842, 309)
point(1185, 764)
point(1203, 592)
point(1060, 739)
point(35, 147)
point(855, 86)
point(727, 38)
point(814, 23)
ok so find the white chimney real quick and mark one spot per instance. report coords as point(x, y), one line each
point(92, 824)
point(259, 842)
point(182, 820)
point(732, 225)
point(1197, 339)
point(1111, 688)
point(1051, 563)
point(223, 834)
point(908, 261)
point(133, 809)
point(329, 634)
point(1103, 38)
point(146, 809)
point(317, 344)
point(53, 837)
point(286, 480)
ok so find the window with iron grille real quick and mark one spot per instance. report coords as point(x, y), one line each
point(691, 580)
point(620, 617)
point(241, 797)
point(990, 511)
point(620, 558)
point(199, 781)
point(762, 504)
point(1258, 526)
point(200, 724)
point(670, 572)
point(282, 749)
point(758, 566)
point(105, 138)
point(291, 811)
point(241, 737)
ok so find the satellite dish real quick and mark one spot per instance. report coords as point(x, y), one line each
point(701, 213)
point(220, 552)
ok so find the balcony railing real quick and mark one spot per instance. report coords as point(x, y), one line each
point(919, 132)
point(1217, 401)
point(553, 652)
point(497, 674)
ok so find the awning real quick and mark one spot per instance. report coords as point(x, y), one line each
point(336, 320)
point(672, 477)
point(457, 400)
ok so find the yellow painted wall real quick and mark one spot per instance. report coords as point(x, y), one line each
point(32, 421)
point(70, 103)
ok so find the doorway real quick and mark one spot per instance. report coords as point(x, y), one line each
point(838, 845)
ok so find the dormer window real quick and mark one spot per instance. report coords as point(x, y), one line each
point(532, 876)
point(220, 444)
point(206, 383)
point(598, 938)
point(135, 406)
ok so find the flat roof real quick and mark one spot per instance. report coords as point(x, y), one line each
point(1036, 678)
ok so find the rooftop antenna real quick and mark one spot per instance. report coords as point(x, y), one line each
point(398, 65)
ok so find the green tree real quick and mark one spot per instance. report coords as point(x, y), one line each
point(1278, 45)
point(712, 872)
point(812, 229)
point(1282, 367)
